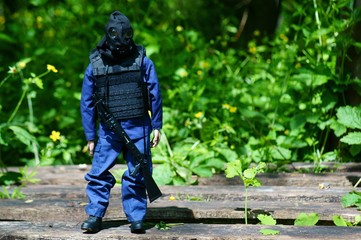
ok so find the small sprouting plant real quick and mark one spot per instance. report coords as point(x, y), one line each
point(304, 219)
point(21, 179)
point(166, 226)
point(248, 177)
point(269, 221)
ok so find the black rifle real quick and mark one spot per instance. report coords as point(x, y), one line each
point(107, 118)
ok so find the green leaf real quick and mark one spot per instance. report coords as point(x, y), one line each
point(163, 174)
point(281, 153)
point(269, 232)
point(304, 219)
point(23, 135)
point(233, 169)
point(266, 219)
point(357, 219)
point(355, 149)
point(10, 177)
point(339, 221)
point(349, 116)
point(350, 199)
point(352, 138)
point(249, 173)
point(203, 171)
point(338, 128)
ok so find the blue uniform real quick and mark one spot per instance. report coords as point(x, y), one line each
point(109, 147)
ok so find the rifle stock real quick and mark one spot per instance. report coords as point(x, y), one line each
point(109, 120)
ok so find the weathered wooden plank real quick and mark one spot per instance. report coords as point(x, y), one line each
point(347, 176)
point(72, 210)
point(207, 193)
point(120, 230)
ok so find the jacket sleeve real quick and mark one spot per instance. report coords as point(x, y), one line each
point(86, 105)
point(150, 77)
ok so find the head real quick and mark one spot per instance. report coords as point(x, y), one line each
point(119, 34)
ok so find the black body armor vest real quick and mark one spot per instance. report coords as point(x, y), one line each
point(121, 84)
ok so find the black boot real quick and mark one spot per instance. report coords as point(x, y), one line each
point(93, 224)
point(137, 227)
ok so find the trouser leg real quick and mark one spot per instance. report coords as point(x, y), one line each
point(100, 179)
point(134, 195)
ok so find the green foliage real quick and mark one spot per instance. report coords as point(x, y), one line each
point(163, 226)
point(352, 199)
point(275, 99)
point(266, 219)
point(341, 222)
point(304, 219)
point(248, 176)
point(10, 178)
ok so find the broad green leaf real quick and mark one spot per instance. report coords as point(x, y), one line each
point(357, 219)
point(298, 121)
point(23, 135)
point(233, 169)
point(163, 174)
point(338, 128)
point(304, 219)
point(266, 219)
point(281, 153)
point(355, 149)
point(350, 199)
point(352, 138)
point(269, 232)
point(339, 221)
point(216, 163)
point(349, 116)
point(6, 38)
point(203, 171)
point(227, 153)
point(249, 173)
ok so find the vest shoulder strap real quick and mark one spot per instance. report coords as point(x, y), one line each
point(99, 68)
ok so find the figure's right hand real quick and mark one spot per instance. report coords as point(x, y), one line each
point(91, 146)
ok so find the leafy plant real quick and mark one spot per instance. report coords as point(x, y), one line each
point(166, 226)
point(352, 199)
point(348, 125)
point(341, 222)
point(19, 179)
point(304, 219)
point(248, 176)
point(267, 220)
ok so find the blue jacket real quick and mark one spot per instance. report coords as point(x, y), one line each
point(135, 128)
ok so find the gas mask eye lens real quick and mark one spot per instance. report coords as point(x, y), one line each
point(128, 34)
point(113, 33)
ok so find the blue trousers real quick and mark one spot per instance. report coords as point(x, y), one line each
point(101, 181)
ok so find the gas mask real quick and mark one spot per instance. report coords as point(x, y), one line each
point(119, 34)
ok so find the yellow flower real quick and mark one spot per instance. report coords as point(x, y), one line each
point(21, 64)
point(198, 114)
point(171, 198)
point(252, 50)
point(232, 109)
point(226, 106)
point(55, 135)
point(179, 28)
point(284, 37)
point(51, 68)
point(2, 20)
point(204, 64)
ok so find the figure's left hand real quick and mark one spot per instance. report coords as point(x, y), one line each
point(156, 139)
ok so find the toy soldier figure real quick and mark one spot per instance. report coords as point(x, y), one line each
point(126, 80)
